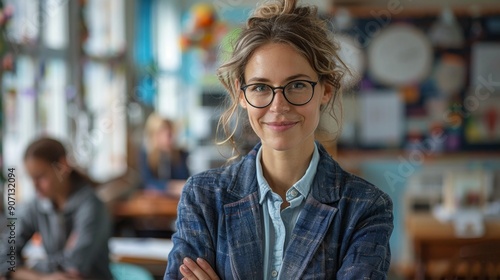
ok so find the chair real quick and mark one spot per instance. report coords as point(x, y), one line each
point(125, 271)
point(478, 261)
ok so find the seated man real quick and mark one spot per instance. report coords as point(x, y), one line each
point(73, 223)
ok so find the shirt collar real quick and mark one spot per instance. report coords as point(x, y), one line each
point(302, 186)
point(261, 181)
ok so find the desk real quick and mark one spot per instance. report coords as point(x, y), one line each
point(436, 241)
point(147, 205)
point(149, 253)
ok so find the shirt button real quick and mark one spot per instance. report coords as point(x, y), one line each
point(294, 193)
point(274, 273)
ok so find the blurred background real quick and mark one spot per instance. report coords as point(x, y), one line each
point(421, 110)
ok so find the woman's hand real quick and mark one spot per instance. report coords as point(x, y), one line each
point(26, 273)
point(199, 270)
point(60, 276)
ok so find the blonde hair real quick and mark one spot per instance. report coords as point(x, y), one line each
point(281, 22)
point(155, 123)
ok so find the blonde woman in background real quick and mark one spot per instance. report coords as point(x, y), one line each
point(163, 166)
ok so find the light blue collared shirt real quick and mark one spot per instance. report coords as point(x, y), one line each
point(278, 225)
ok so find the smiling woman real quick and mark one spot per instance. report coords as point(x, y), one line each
point(286, 210)
point(283, 125)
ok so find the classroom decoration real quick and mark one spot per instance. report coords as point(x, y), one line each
point(203, 29)
point(400, 55)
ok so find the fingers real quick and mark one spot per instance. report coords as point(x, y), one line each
point(73, 273)
point(199, 270)
point(68, 276)
point(192, 271)
point(207, 268)
point(58, 276)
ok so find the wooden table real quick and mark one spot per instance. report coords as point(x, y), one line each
point(142, 204)
point(148, 214)
point(436, 241)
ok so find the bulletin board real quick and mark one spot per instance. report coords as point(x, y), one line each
point(448, 86)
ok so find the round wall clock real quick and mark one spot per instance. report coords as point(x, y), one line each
point(400, 55)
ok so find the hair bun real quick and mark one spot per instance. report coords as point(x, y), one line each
point(272, 9)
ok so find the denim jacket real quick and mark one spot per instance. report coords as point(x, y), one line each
point(342, 233)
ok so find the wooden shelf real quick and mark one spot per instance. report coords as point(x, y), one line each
point(413, 11)
point(351, 160)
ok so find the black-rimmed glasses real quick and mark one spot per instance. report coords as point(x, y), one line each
point(298, 93)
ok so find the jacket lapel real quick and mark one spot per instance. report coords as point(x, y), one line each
point(310, 229)
point(244, 226)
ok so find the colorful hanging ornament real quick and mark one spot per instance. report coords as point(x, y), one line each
point(203, 29)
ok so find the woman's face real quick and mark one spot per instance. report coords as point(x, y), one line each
point(282, 126)
point(46, 177)
point(164, 138)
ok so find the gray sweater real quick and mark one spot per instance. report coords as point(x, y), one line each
point(74, 238)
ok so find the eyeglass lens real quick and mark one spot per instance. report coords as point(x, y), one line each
point(296, 92)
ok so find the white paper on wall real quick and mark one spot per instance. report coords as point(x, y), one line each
point(381, 118)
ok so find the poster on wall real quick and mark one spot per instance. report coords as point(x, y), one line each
point(381, 119)
point(482, 125)
point(485, 67)
point(482, 102)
